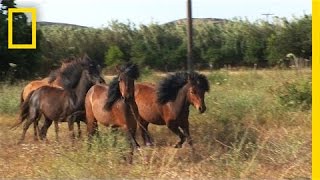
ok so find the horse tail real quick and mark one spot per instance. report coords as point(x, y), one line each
point(24, 110)
point(21, 98)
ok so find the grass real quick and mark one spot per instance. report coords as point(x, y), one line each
point(246, 132)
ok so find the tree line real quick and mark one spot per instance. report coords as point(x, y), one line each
point(235, 42)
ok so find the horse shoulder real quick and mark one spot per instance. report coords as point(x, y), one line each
point(168, 113)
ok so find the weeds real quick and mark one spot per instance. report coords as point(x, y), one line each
point(251, 130)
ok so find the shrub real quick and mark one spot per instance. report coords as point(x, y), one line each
point(297, 94)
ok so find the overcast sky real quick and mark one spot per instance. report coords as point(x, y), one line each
point(97, 13)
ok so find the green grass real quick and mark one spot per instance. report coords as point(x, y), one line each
point(9, 98)
point(246, 132)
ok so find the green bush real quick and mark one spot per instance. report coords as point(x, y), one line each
point(297, 94)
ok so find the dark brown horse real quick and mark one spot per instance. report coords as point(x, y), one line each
point(55, 80)
point(114, 105)
point(57, 104)
point(168, 103)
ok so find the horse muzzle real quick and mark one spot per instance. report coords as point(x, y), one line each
point(128, 99)
point(202, 109)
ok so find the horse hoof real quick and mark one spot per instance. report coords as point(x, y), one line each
point(149, 144)
point(178, 145)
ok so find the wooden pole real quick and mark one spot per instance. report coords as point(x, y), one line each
point(189, 34)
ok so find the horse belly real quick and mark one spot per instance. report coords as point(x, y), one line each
point(151, 116)
point(149, 112)
point(102, 116)
point(51, 110)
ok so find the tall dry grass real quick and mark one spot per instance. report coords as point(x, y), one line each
point(256, 126)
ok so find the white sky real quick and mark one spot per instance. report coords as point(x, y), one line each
point(96, 13)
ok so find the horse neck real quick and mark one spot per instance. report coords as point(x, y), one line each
point(81, 91)
point(181, 100)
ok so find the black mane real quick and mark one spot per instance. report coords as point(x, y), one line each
point(72, 72)
point(168, 88)
point(113, 93)
point(130, 70)
point(70, 75)
point(53, 75)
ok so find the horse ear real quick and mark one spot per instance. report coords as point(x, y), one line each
point(118, 69)
point(189, 78)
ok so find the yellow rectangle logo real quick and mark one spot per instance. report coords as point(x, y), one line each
point(33, 45)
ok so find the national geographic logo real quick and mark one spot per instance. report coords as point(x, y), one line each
point(33, 44)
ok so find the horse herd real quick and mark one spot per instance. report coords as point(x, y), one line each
point(76, 92)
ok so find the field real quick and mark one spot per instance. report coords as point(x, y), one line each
point(257, 125)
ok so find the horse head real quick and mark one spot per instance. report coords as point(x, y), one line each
point(197, 86)
point(128, 73)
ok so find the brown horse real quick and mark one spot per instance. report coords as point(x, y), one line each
point(55, 79)
point(114, 105)
point(168, 104)
point(58, 104)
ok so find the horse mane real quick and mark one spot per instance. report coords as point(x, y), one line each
point(169, 87)
point(130, 70)
point(113, 93)
point(70, 75)
point(53, 75)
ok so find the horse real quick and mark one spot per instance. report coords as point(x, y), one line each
point(55, 79)
point(168, 103)
point(114, 105)
point(58, 104)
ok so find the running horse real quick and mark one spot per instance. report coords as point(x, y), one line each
point(114, 105)
point(55, 80)
point(58, 104)
point(168, 103)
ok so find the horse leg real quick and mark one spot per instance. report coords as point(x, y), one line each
point(175, 129)
point(25, 128)
point(43, 132)
point(36, 130)
point(71, 129)
point(77, 117)
point(145, 134)
point(133, 145)
point(79, 129)
point(185, 128)
point(114, 132)
point(33, 117)
point(56, 128)
point(36, 127)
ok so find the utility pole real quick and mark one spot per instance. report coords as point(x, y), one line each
point(189, 34)
point(267, 16)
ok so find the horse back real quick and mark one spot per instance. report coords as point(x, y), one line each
point(146, 100)
point(33, 85)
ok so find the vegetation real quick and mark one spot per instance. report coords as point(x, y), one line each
point(247, 132)
point(235, 42)
point(257, 124)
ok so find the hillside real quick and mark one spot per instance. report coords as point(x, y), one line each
point(200, 21)
point(45, 23)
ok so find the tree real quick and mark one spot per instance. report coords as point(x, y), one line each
point(25, 61)
point(113, 56)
